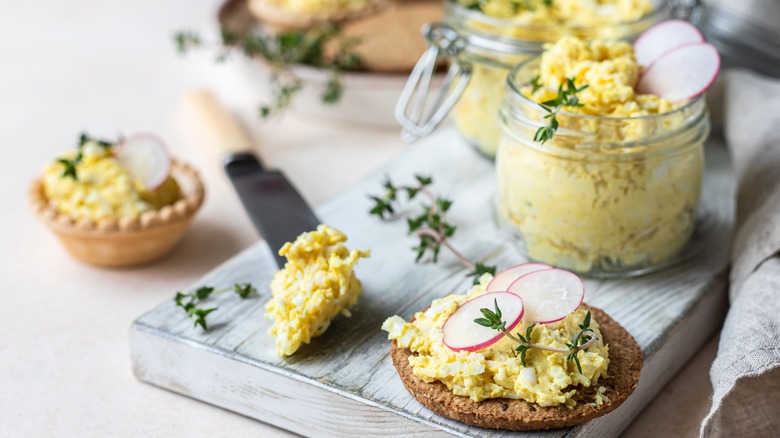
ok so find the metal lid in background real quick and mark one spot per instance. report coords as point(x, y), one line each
point(742, 33)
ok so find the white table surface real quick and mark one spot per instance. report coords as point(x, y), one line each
point(110, 66)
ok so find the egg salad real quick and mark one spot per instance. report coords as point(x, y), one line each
point(99, 187)
point(531, 23)
point(616, 189)
point(610, 71)
point(497, 371)
point(322, 7)
point(316, 284)
point(583, 13)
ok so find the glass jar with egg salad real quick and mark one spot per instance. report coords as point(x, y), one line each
point(607, 196)
point(484, 39)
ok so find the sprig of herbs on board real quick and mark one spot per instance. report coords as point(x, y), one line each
point(430, 225)
point(69, 164)
point(283, 50)
point(567, 97)
point(190, 302)
point(580, 342)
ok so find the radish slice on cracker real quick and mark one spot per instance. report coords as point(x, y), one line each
point(146, 158)
point(683, 73)
point(665, 37)
point(549, 295)
point(462, 334)
point(503, 279)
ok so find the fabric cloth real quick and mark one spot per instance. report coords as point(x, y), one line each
point(746, 372)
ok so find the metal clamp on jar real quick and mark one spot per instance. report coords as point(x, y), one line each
point(481, 50)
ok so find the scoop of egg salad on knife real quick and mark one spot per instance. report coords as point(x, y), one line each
point(316, 284)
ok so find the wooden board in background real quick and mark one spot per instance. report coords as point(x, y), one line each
point(343, 384)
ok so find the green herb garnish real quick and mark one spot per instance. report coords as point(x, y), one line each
point(283, 50)
point(69, 164)
point(430, 225)
point(567, 97)
point(581, 341)
point(536, 83)
point(190, 301)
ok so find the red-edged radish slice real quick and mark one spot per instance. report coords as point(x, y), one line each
point(664, 37)
point(503, 279)
point(549, 295)
point(461, 333)
point(683, 73)
point(146, 158)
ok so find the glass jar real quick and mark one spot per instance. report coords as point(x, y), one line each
point(481, 50)
point(606, 196)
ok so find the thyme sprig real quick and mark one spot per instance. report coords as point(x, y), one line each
point(566, 97)
point(190, 302)
point(430, 225)
point(283, 50)
point(69, 164)
point(584, 338)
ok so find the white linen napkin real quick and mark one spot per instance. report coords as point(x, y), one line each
point(746, 372)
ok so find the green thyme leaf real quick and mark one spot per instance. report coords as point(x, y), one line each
point(566, 97)
point(190, 302)
point(577, 361)
point(244, 289)
point(484, 322)
point(536, 83)
point(186, 41)
point(284, 50)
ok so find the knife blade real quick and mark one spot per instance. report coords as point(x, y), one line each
point(276, 208)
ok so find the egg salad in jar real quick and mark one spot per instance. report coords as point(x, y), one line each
point(485, 39)
point(614, 192)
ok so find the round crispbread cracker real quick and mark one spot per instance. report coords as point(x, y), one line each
point(625, 364)
point(281, 18)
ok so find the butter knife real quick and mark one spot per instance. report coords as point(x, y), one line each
point(277, 210)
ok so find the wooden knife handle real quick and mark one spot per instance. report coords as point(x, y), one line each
point(210, 120)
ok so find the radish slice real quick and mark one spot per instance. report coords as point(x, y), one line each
point(503, 279)
point(146, 158)
point(683, 73)
point(665, 37)
point(549, 295)
point(461, 333)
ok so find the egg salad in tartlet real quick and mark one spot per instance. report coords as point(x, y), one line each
point(538, 375)
point(117, 203)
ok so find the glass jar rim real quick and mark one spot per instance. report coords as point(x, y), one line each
point(516, 93)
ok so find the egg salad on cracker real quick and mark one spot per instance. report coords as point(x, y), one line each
point(497, 371)
point(316, 284)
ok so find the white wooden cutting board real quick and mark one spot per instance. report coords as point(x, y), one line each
point(343, 383)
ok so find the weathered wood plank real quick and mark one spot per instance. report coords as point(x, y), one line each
point(670, 313)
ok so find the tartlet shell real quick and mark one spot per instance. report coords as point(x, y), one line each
point(126, 241)
point(623, 375)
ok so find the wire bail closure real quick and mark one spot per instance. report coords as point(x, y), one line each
point(690, 10)
point(445, 43)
